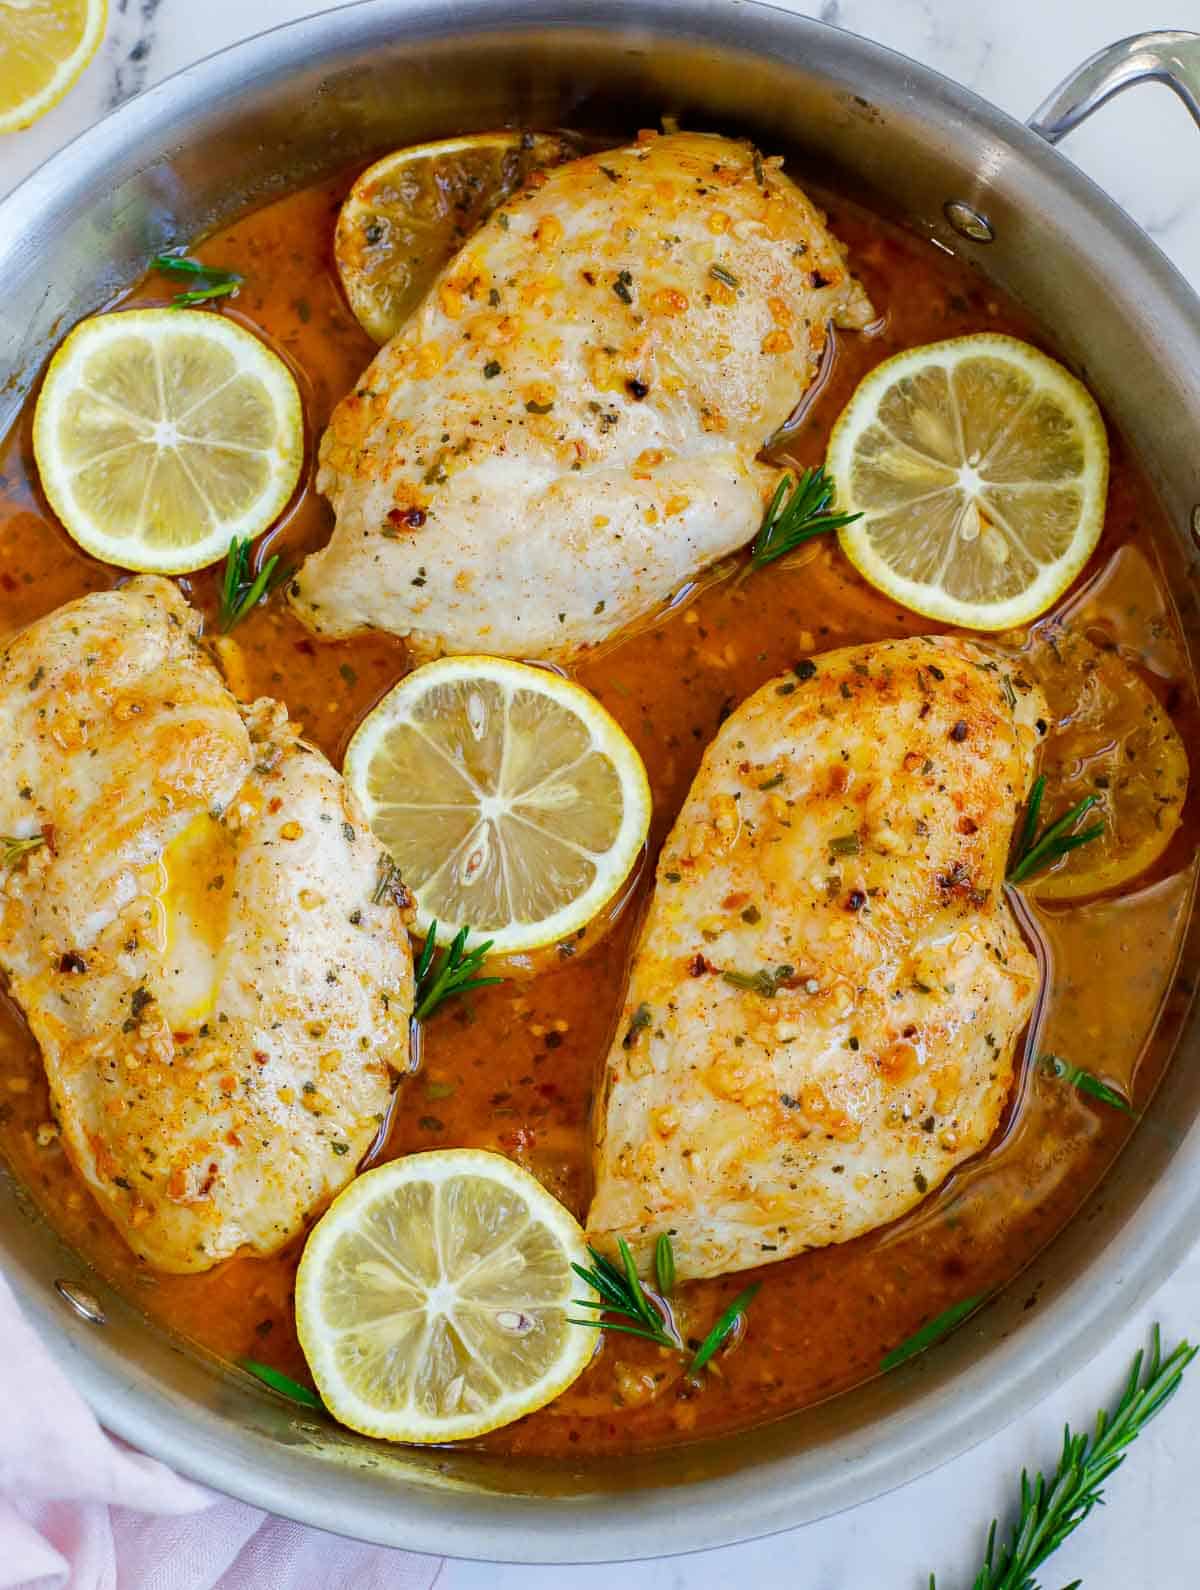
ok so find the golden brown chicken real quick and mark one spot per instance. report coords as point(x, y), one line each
point(829, 986)
point(567, 428)
point(190, 930)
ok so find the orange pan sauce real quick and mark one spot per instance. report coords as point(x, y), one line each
point(514, 1069)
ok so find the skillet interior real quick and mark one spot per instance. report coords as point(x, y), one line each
point(321, 94)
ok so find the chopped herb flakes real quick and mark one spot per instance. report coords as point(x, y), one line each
point(767, 981)
point(639, 1021)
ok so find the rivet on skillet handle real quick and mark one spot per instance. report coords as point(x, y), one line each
point(1166, 57)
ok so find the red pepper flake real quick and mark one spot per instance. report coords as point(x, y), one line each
point(406, 518)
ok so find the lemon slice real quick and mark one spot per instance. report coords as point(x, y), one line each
point(161, 434)
point(507, 796)
point(1109, 738)
point(432, 1297)
point(409, 213)
point(980, 469)
point(44, 47)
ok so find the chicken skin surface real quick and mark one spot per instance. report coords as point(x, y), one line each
point(567, 429)
point(220, 1003)
point(827, 992)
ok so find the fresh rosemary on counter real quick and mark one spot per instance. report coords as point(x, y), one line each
point(444, 976)
point(1051, 1511)
point(797, 512)
point(1035, 852)
point(621, 1292)
point(212, 282)
point(242, 590)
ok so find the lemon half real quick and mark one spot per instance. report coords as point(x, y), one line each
point(409, 213)
point(44, 47)
point(161, 434)
point(980, 469)
point(510, 800)
point(1109, 738)
point(432, 1298)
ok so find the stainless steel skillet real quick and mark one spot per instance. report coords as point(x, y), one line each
point(317, 95)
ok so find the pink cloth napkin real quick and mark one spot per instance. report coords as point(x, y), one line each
point(80, 1510)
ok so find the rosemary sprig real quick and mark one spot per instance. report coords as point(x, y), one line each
point(213, 281)
point(442, 977)
point(1077, 1077)
point(1034, 851)
point(941, 1325)
point(620, 1292)
point(723, 1328)
point(12, 847)
point(284, 1384)
point(791, 519)
point(1050, 1512)
point(241, 589)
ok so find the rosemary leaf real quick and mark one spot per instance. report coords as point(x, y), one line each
point(797, 512)
point(182, 265)
point(12, 848)
point(723, 1328)
point(446, 975)
point(640, 1301)
point(1048, 1513)
point(664, 1265)
point(767, 981)
point(1085, 1081)
point(211, 281)
point(284, 1384)
point(933, 1331)
point(390, 885)
point(203, 295)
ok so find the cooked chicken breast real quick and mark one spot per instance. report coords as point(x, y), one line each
point(220, 1003)
point(828, 989)
point(566, 430)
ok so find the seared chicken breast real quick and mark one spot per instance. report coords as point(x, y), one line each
point(220, 1003)
point(827, 993)
point(567, 428)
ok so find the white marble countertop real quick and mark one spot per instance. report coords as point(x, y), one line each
point(1149, 1534)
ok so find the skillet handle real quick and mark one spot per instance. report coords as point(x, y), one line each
point(1165, 57)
